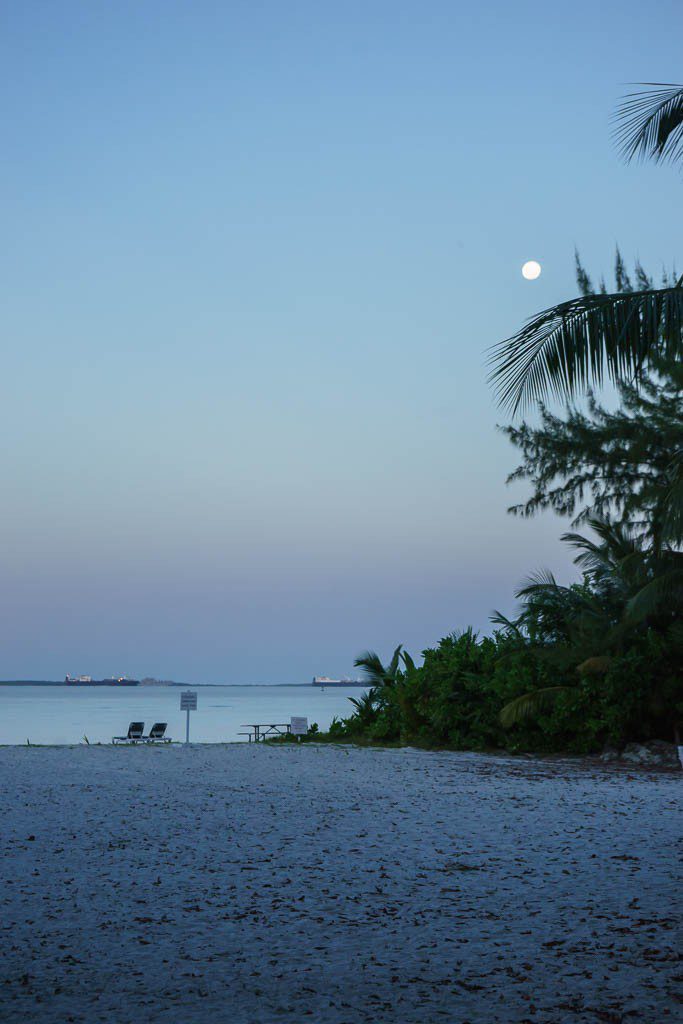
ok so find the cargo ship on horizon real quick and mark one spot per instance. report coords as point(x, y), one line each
point(89, 681)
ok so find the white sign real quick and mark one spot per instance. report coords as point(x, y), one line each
point(299, 726)
point(188, 700)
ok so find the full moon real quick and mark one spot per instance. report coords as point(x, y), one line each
point(531, 270)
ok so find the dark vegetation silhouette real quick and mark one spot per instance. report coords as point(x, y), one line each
point(600, 661)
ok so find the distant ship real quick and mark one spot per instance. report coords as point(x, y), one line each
point(89, 681)
point(326, 681)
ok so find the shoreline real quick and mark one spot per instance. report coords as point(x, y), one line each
point(586, 762)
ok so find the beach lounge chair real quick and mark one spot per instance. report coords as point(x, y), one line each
point(157, 734)
point(135, 734)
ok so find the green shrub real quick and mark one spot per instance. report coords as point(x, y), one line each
point(454, 700)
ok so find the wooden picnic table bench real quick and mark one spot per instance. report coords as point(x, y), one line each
point(259, 731)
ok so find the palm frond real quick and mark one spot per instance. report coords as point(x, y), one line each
point(615, 536)
point(375, 672)
point(394, 663)
point(408, 662)
point(649, 123)
point(530, 704)
point(567, 347)
point(498, 619)
point(617, 544)
point(366, 701)
point(591, 555)
point(540, 580)
point(372, 666)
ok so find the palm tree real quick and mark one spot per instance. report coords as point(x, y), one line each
point(383, 675)
point(584, 340)
point(366, 706)
point(627, 586)
point(391, 685)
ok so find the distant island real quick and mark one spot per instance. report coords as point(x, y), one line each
point(147, 681)
point(151, 681)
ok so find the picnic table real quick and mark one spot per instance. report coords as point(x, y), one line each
point(261, 730)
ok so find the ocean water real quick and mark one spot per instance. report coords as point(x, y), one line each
point(63, 714)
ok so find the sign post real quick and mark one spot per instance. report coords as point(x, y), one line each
point(188, 702)
point(298, 727)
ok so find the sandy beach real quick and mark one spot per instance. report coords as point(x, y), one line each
point(243, 884)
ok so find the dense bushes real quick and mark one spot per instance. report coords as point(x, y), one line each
point(455, 698)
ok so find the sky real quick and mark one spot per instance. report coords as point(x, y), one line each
point(254, 254)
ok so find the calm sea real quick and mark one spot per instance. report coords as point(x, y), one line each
point(62, 714)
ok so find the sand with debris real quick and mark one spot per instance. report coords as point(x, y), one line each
point(244, 884)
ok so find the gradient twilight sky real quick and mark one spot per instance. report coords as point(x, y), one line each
point(254, 253)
